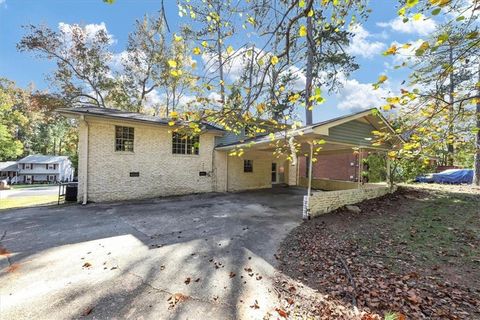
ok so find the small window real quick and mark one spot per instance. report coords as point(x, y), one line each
point(50, 166)
point(184, 144)
point(247, 165)
point(124, 138)
point(28, 166)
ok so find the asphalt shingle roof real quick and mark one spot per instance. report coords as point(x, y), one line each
point(125, 115)
point(8, 166)
point(37, 158)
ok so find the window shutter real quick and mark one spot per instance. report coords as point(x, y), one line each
point(23, 165)
point(46, 166)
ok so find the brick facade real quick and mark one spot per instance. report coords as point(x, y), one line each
point(105, 174)
point(160, 172)
point(337, 166)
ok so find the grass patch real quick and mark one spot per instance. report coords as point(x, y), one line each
point(444, 228)
point(29, 186)
point(17, 202)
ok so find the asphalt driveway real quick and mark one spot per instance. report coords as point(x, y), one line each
point(28, 192)
point(205, 256)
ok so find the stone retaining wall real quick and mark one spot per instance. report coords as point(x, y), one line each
point(323, 202)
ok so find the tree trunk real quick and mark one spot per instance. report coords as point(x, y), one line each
point(220, 59)
point(476, 162)
point(451, 91)
point(309, 74)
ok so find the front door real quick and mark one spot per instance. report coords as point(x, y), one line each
point(274, 172)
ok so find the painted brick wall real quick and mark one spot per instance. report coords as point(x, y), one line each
point(259, 178)
point(332, 166)
point(161, 172)
point(330, 185)
point(323, 202)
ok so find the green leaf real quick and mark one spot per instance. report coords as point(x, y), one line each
point(472, 35)
point(443, 37)
point(412, 3)
point(436, 11)
point(460, 18)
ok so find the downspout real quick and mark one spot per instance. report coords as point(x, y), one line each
point(213, 169)
point(85, 171)
point(226, 172)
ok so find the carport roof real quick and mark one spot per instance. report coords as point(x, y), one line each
point(320, 130)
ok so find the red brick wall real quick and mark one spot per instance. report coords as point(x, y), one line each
point(332, 166)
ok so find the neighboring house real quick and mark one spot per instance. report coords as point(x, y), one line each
point(8, 171)
point(124, 155)
point(41, 168)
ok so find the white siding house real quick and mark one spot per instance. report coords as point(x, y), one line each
point(41, 168)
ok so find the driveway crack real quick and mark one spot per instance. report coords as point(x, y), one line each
point(171, 293)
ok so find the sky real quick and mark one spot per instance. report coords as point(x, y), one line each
point(382, 28)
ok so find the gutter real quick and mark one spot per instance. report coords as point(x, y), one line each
point(121, 119)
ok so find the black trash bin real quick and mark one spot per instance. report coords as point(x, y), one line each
point(71, 192)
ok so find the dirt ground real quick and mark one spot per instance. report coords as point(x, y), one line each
point(411, 255)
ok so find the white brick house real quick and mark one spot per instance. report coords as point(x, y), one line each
point(125, 155)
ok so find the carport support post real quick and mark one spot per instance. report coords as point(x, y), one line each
point(360, 167)
point(309, 178)
point(388, 180)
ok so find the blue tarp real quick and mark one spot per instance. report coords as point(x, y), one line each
point(451, 176)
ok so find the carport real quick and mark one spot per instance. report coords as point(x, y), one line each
point(352, 133)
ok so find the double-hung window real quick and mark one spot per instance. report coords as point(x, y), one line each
point(124, 138)
point(247, 165)
point(184, 144)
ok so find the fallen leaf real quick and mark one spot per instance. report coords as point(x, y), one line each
point(87, 311)
point(14, 267)
point(4, 251)
point(282, 312)
point(175, 299)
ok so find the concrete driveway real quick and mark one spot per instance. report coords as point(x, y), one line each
point(205, 256)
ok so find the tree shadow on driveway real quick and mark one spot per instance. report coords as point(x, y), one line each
point(129, 259)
